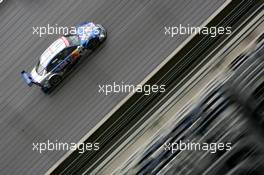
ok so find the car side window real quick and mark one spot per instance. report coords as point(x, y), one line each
point(62, 55)
point(71, 49)
point(57, 60)
point(52, 65)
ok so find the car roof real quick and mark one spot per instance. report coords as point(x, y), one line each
point(55, 48)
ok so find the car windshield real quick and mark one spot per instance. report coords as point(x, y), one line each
point(73, 40)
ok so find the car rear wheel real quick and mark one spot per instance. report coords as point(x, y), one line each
point(46, 90)
point(55, 80)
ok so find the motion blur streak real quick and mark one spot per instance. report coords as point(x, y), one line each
point(136, 45)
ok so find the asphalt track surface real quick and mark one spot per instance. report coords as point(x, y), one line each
point(136, 44)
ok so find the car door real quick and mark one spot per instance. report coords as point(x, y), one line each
point(61, 61)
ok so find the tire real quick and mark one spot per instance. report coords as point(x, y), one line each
point(45, 90)
point(103, 40)
point(55, 80)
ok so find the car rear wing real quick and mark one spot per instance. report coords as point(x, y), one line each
point(27, 78)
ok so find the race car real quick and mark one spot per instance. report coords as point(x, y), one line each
point(59, 58)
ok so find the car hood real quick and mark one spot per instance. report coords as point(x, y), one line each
point(86, 31)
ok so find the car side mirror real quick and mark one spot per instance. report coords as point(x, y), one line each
point(81, 50)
